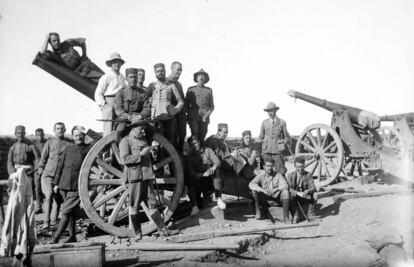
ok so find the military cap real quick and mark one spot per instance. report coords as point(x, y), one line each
point(159, 65)
point(140, 70)
point(222, 125)
point(268, 159)
point(19, 127)
point(131, 71)
point(114, 56)
point(201, 72)
point(299, 160)
point(79, 128)
point(247, 132)
point(271, 106)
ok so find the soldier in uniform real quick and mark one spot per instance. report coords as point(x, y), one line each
point(200, 105)
point(250, 156)
point(162, 108)
point(66, 181)
point(274, 137)
point(52, 154)
point(20, 153)
point(301, 187)
point(202, 174)
point(132, 101)
point(39, 144)
point(181, 117)
point(269, 187)
point(64, 54)
point(217, 143)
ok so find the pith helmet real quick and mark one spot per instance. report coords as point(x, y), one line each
point(201, 72)
point(271, 106)
point(112, 57)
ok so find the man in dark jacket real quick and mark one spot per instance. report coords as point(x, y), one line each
point(66, 181)
point(301, 187)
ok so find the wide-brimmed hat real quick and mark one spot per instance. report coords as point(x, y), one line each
point(114, 56)
point(201, 72)
point(271, 106)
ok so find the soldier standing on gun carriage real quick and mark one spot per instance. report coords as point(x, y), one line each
point(274, 137)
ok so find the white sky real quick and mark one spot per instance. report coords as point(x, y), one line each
point(356, 52)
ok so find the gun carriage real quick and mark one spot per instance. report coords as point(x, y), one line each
point(352, 142)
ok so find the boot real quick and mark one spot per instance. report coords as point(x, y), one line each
point(285, 203)
point(162, 229)
point(62, 226)
point(72, 230)
point(311, 211)
point(194, 211)
point(135, 225)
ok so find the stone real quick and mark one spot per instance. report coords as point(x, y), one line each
point(393, 254)
point(388, 236)
point(359, 255)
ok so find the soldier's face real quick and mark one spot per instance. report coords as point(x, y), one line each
point(300, 167)
point(201, 79)
point(268, 166)
point(160, 73)
point(247, 139)
point(141, 77)
point(272, 113)
point(20, 134)
point(176, 70)
point(59, 130)
point(138, 132)
point(223, 133)
point(116, 65)
point(54, 42)
point(132, 79)
point(40, 136)
point(78, 137)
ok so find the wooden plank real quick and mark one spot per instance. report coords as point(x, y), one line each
point(155, 246)
point(109, 168)
point(213, 234)
point(370, 194)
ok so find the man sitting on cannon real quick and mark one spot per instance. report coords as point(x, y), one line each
point(301, 188)
point(202, 174)
point(269, 188)
point(133, 101)
point(64, 54)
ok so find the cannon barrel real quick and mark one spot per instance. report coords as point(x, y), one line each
point(357, 115)
point(66, 75)
point(408, 116)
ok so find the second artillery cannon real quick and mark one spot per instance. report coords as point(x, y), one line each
point(351, 140)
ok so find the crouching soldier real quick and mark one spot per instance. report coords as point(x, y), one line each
point(135, 153)
point(301, 187)
point(203, 174)
point(269, 187)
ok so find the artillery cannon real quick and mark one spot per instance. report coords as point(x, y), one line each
point(103, 195)
point(352, 139)
point(400, 137)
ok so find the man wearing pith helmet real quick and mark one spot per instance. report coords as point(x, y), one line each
point(200, 105)
point(109, 84)
point(274, 136)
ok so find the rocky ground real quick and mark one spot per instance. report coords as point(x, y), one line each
point(372, 231)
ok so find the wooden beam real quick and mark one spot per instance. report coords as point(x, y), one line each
point(156, 246)
point(370, 194)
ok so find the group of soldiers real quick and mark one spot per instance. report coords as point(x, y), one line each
point(125, 101)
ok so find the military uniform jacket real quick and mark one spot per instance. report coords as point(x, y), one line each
point(199, 102)
point(20, 154)
point(272, 184)
point(174, 101)
point(38, 149)
point(301, 183)
point(273, 135)
point(161, 105)
point(132, 101)
point(222, 151)
point(52, 153)
point(137, 168)
point(199, 162)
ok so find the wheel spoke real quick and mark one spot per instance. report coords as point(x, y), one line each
point(325, 166)
point(115, 150)
point(331, 155)
point(162, 163)
point(319, 171)
point(324, 140)
point(117, 208)
point(314, 168)
point(310, 136)
point(307, 146)
point(109, 168)
point(300, 154)
point(318, 134)
point(310, 162)
point(331, 145)
point(108, 196)
point(106, 182)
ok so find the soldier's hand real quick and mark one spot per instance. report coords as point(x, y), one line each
point(145, 151)
point(56, 189)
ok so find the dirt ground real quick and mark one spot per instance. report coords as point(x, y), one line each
point(340, 239)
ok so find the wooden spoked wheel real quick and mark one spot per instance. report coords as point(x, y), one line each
point(391, 139)
point(104, 197)
point(322, 148)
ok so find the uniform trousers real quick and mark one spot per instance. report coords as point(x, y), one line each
point(51, 199)
point(199, 129)
point(108, 113)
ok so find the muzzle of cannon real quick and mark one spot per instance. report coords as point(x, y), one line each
point(364, 118)
point(351, 143)
point(408, 116)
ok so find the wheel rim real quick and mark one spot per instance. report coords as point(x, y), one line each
point(105, 181)
point(323, 151)
point(391, 139)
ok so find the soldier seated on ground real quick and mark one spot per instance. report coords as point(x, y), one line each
point(269, 188)
point(250, 156)
point(203, 174)
point(301, 187)
point(65, 55)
